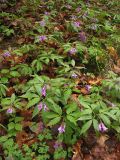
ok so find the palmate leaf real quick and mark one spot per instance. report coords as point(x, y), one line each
point(33, 101)
point(54, 121)
point(86, 126)
point(105, 119)
point(95, 124)
point(3, 90)
point(71, 119)
point(53, 106)
point(35, 112)
point(71, 108)
point(67, 95)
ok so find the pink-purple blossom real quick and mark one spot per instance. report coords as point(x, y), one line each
point(88, 87)
point(82, 37)
point(42, 38)
point(78, 9)
point(57, 145)
point(72, 50)
point(102, 127)
point(9, 110)
point(40, 106)
point(46, 13)
point(42, 23)
point(74, 75)
point(73, 17)
point(76, 24)
point(61, 129)
point(45, 107)
point(68, 6)
point(6, 54)
point(43, 91)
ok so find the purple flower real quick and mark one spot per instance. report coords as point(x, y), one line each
point(42, 23)
point(78, 9)
point(85, 15)
point(102, 127)
point(41, 126)
point(76, 24)
point(68, 6)
point(88, 87)
point(94, 20)
point(46, 13)
point(113, 105)
point(82, 37)
point(61, 129)
point(45, 107)
point(57, 145)
point(94, 27)
point(74, 75)
point(42, 38)
point(43, 91)
point(40, 106)
point(9, 110)
point(87, 1)
point(72, 50)
point(6, 54)
point(73, 17)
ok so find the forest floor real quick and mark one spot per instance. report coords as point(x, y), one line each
point(59, 80)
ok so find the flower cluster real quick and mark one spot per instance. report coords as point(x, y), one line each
point(9, 110)
point(76, 24)
point(42, 106)
point(102, 127)
point(42, 38)
point(6, 54)
point(61, 129)
point(72, 51)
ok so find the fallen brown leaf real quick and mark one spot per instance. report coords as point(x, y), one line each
point(101, 140)
point(77, 153)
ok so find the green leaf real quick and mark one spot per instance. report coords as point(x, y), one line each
point(35, 112)
point(95, 124)
point(105, 119)
point(73, 62)
point(86, 117)
point(33, 101)
point(86, 126)
point(51, 115)
point(18, 127)
point(67, 95)
point(5, 102)
point(12, 98)
point(84, 103)
point(18, 119)
point(11, 126)
point(53, 106)
point(3, 139)
point(14, 74)
point(71, 108)
point(71, 119)
point(111, 115)
point(54, 121)
point(86, 111)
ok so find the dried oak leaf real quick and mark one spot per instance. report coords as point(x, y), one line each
point(95, 81)
point(27, 114)
point(77, 153)
point(88, 157)
point(116, 69)
point(101, 140)
point(84, 91)
point(10, 91)
point(113, 53)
